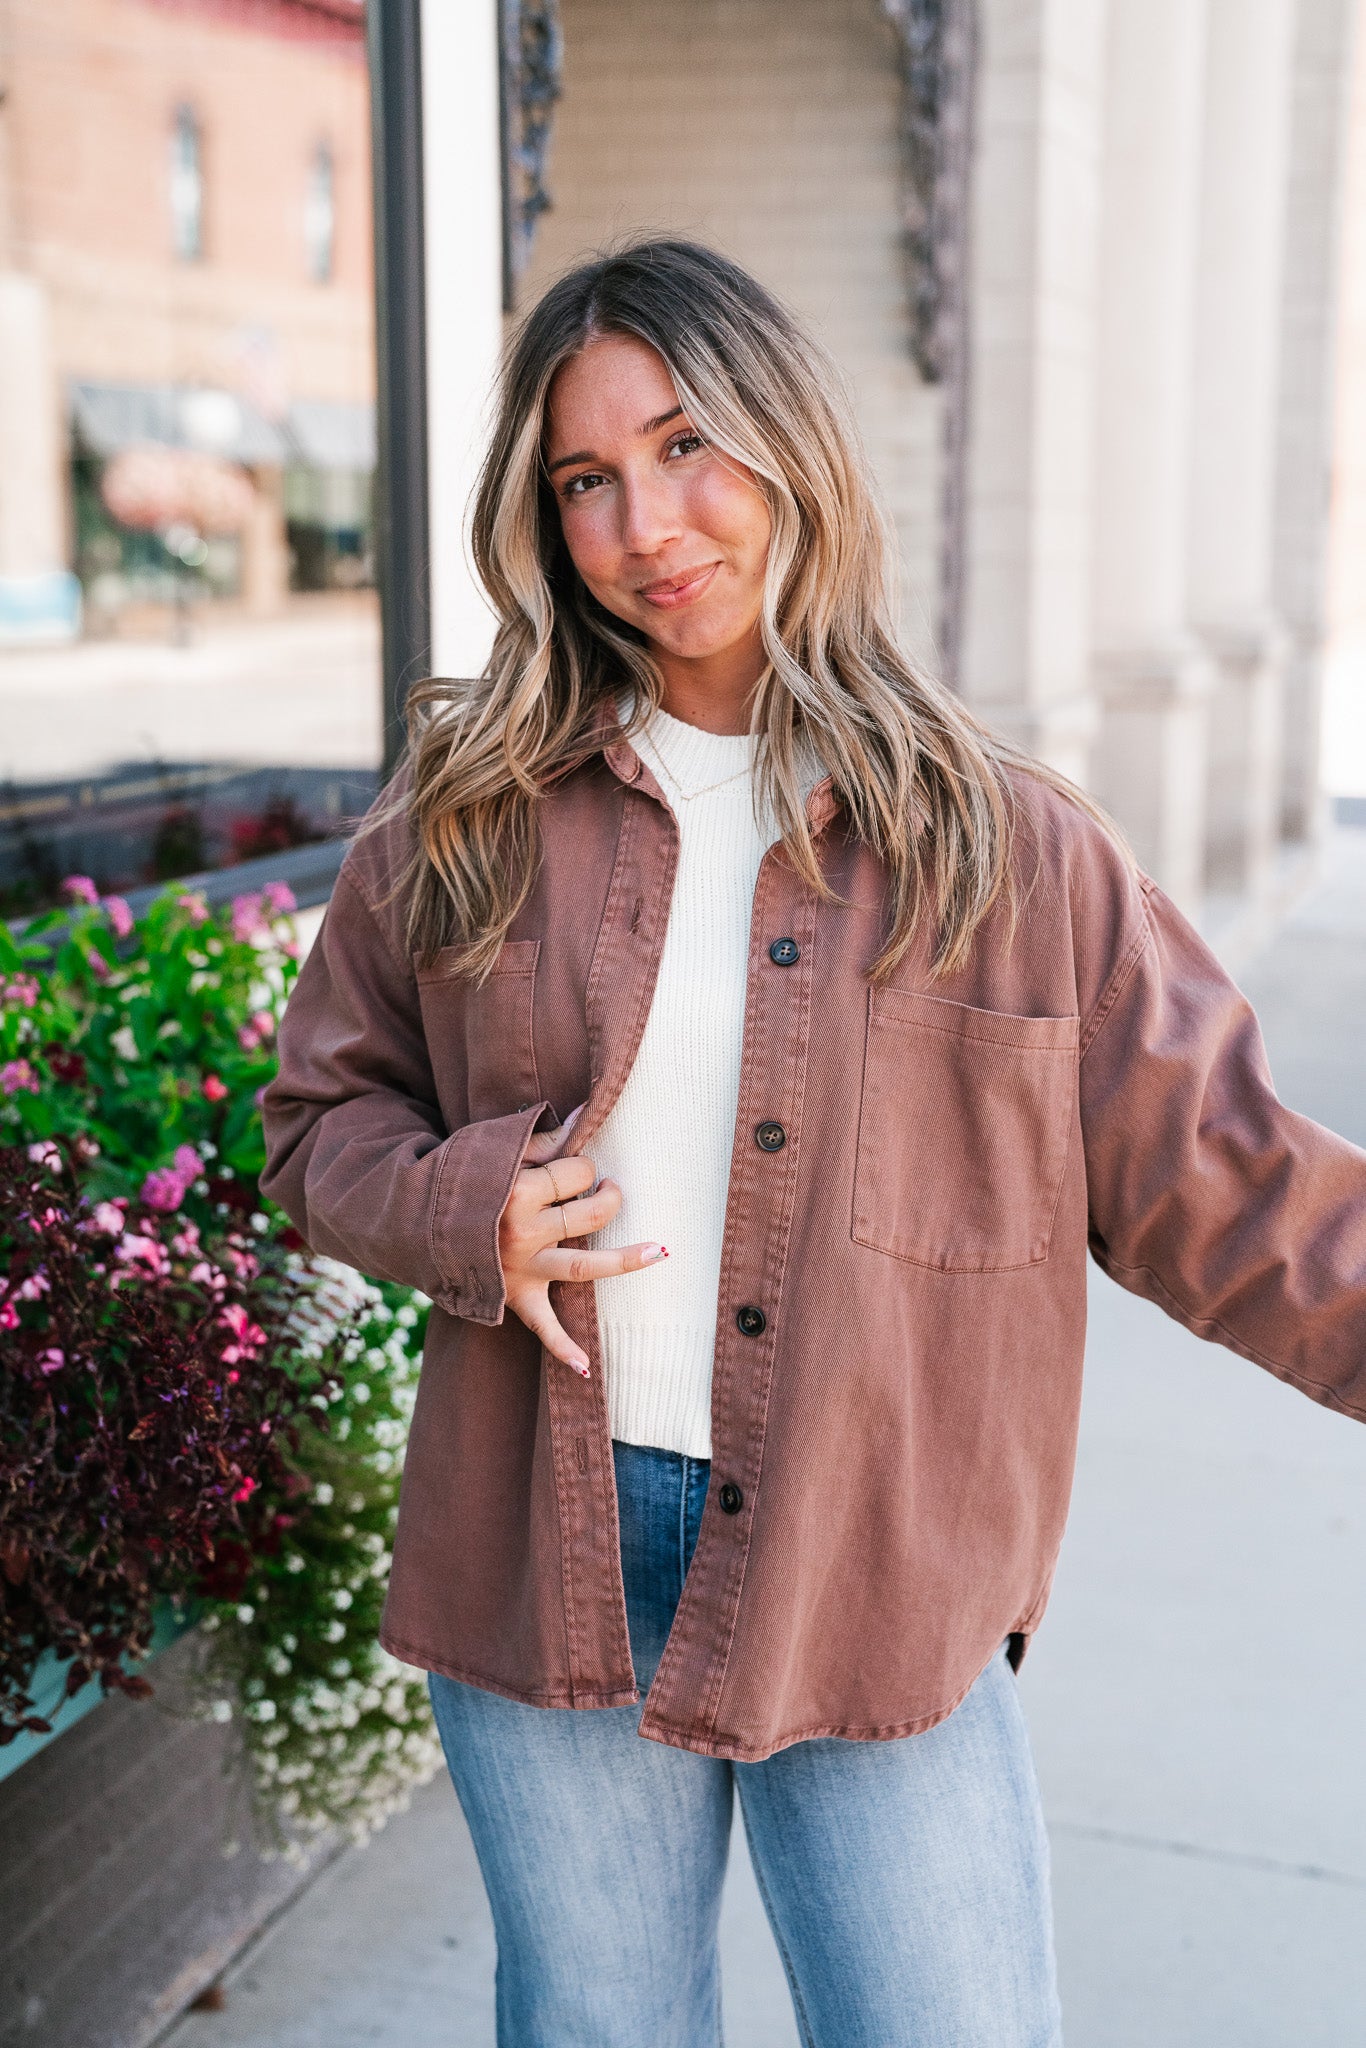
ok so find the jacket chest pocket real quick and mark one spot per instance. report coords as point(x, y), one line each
point(964, 1128)
point(499, 1046)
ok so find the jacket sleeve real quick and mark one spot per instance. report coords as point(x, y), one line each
point(1240, 1218)
point(356, 1150)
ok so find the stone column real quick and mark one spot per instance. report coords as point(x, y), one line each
point(1233, 441)
point(1152, 676)
point(462, 226)
point(1025, 660)
point(1321, 98)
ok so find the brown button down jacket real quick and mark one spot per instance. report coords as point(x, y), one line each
point(902, 1427)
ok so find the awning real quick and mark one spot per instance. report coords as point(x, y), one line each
point(316, 433)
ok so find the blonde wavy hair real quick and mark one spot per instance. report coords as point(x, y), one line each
point(927, 788)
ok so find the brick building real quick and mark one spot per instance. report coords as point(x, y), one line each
point(184, 260)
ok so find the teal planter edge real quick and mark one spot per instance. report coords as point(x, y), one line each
point(48, 1684)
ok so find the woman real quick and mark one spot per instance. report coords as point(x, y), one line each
point(743, 1048)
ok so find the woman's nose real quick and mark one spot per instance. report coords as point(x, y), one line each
point(649, 516)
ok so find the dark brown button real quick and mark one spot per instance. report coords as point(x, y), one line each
point(751, 1322)
point(784, 952)
point(770, 1137)
point(731, 1499)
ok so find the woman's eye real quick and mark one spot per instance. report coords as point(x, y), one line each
point(686, 444)
point(579, 485)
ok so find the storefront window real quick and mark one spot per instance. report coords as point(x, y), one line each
point(189, 641)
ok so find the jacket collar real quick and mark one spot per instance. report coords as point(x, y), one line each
point(605, 737)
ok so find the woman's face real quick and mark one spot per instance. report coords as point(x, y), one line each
point(667, 535)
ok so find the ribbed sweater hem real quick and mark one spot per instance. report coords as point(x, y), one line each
point(659, 1384)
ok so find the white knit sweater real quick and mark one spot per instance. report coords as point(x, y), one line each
point(668, 1138)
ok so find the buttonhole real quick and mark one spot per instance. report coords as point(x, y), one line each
point(635, 914)
point(581, 1453)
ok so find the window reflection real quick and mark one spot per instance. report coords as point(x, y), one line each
point(187, 187)
point(320, 216)
point(189, 667)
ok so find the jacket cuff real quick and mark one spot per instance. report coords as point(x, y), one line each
point(474, 1180)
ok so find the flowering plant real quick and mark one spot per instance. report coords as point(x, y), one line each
point(228, 1417)
point(150, 1039)
point(336, 1731)
point(144, 1414)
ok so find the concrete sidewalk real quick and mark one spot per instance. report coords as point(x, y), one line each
point(1197, 1697)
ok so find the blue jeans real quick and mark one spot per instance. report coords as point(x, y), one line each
point(906, 1882)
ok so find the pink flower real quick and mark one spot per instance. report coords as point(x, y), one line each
point(9, 1316)
point(186, 1162)
point(278, 898)
point(245, 1490)
point(36, 1285)
point(247, 918)
point(194, 906)
point(136, 1249)
point(212, 1089)
point(233, 1378)
point(259, 1029)
point(44, 1153)
point(17, 1074)
point(51, 1360)
point(119, 915)
point(21, 989)
point(81, 889)
point(250, 1336)
point(107, 1217)
point(163, 1189)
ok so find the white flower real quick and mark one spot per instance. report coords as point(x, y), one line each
point(341, 1599)
point(294, 1563)
point(124, 1043)
point(221, 1710)
point(323, 1494)
point(246, 1613)
point(406, 1316)
point(334, 1631)
point(360, 1393)
point(259, 1221)
point(263, 1710)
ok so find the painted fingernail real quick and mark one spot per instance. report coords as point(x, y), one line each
point(581, 1370)
point(573, 1115)
point(653, 1252)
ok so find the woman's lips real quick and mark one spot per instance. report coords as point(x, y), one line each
point(672, 591)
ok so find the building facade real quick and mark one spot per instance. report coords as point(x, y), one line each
point(1112, 498)
point(185, 263)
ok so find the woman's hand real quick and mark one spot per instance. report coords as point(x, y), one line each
point(549, 1203)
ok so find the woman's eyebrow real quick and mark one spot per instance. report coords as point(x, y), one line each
point(661, 419)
